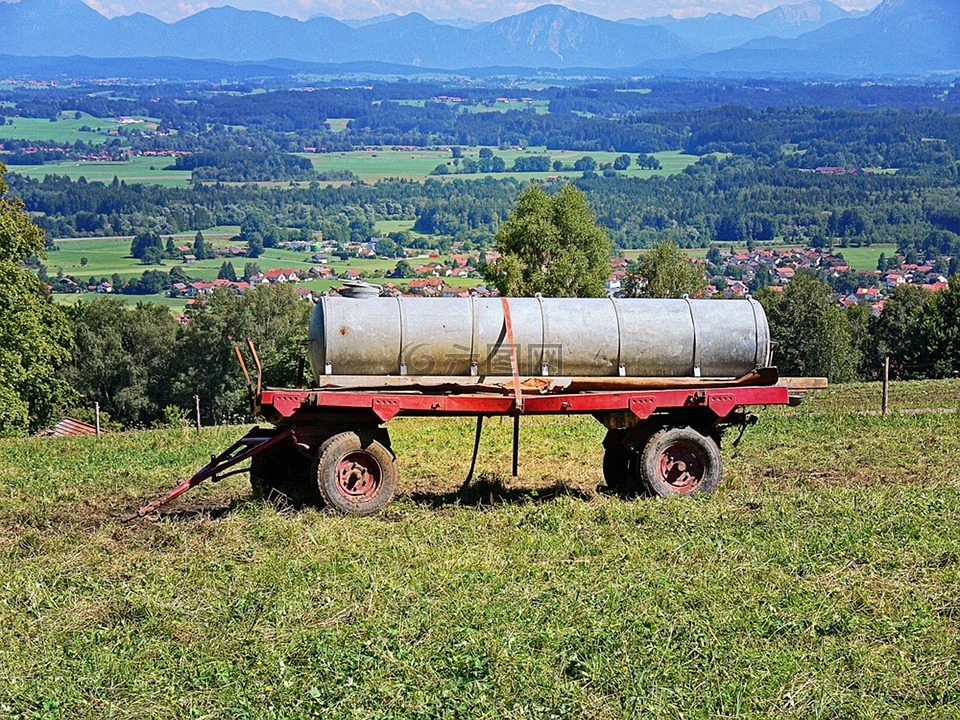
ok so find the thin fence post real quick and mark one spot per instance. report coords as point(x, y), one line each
point(885, 408)
point(96, 418)
point(196, 404)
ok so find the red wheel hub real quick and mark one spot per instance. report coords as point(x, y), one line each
point(681, 465)
point(359, 476)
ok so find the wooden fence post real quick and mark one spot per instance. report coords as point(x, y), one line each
point(96, 418)
point(885, 408)
point(196, 404)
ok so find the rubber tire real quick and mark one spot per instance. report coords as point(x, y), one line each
point(325, 471)
point(282, 476)
point(705, 448)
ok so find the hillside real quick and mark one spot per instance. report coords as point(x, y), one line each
point(816, 37)
point(820, 580)
point(898, 37)
point(717, 31)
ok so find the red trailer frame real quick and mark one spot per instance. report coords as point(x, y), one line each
point(331, 446)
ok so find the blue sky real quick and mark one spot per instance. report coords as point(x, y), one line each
point(448, 9)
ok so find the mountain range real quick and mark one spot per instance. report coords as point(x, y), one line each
point(899, 37)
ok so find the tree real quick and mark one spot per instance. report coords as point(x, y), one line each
point(386, 247)
point(250, 269)
point(551, 245)
point(123, 358)
point(205, 364)
point(201, 250)
point(586, 163)
point(648, 162)
point(35, 336)
point(254, 248)
point(403, 270)
point(227, 272)
point(665, 272)
point(152, 256)
point(622, 162)
point(143, 242)
point(813, 336)
point(177, 275)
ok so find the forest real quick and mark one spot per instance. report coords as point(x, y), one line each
point(727, 200)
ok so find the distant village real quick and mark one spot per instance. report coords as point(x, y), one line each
point(429, 275)
point(732, 273)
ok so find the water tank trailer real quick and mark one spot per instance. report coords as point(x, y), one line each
point(665, 377)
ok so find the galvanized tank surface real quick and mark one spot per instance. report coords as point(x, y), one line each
point(571, 337)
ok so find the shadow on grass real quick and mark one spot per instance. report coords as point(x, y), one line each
point(486, 492)
point(489, 491)
point(200, 513)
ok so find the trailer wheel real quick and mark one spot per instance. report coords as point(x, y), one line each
point(282, 477)
point(356, 474)
point(681, 461)
point(621, 470)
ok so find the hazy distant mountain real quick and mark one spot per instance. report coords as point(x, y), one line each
point(363, 22)
point(556, 36)
point(815, 37)
point(717, 31)
point(550, 35)
point(898, 37)
point(462, 23)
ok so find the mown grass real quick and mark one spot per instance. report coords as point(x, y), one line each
point(144, 170)
point(820, 581)
point(67, 128)
point(863, 259)
point(417, 164)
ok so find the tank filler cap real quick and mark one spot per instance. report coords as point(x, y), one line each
point(360, 289)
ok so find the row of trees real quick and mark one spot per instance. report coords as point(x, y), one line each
point(136, 362)
point(490, 163)
point(732, 200)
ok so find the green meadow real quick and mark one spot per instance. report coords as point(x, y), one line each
point(144, 170)
point(369, 166)
point(67, 128)
point(417, 164)
point(863, 259)
point(820, 581)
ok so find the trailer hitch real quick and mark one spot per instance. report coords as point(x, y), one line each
point(253, 443)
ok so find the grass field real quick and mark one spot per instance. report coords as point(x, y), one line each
point(418, 164)
point(822, 580)
point(865, 258)
point(861, 258)
point(338, 124)
point(135, 170)
point(66, 128)
point(367, 165)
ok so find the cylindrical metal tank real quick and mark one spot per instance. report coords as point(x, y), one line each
point(555, 337)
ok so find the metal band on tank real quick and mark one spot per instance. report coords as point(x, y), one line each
point(472, 360)
point(696, 337)
point(756, 335)
point(616, 311)
point(403, 324)
point(327, 367)
point(543, 338)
